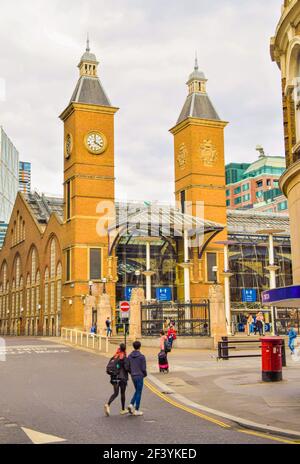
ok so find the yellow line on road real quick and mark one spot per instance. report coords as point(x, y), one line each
point(185, 408)
point(270, 437)
point(215, 421)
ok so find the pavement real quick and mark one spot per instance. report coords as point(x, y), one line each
point(53, 393)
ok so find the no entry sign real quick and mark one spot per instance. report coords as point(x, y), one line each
point(124, 306)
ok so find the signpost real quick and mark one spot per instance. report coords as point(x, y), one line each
point(124, 308)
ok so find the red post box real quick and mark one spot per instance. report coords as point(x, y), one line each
point(271, 355)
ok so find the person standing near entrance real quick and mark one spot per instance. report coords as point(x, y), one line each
point(292, 334)
point(249, 324)
point(259, 323)
point(171, 335)
point(108, 327)
point(138, 371)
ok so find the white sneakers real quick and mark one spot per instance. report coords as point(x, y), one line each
point(107, 410)
point(130, 410)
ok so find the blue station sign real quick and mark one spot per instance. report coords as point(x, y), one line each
point(249, 295)
point(163, 294)
point(128, 291)
point(284, 297)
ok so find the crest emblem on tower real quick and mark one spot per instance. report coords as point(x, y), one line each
point(182, 155)
point(208, 153)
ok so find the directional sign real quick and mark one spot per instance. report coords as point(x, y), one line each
point(124, 306)
point(163, 294)
point(249, 295)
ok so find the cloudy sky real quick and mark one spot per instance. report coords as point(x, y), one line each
point(146, 52)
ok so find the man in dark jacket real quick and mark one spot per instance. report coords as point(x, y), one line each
point(138, 371)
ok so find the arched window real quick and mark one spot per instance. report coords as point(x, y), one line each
point(1, 300)
point(33, 266)
point(37, 295)
point(13, 298)
point(46, 290)
point(52, 258)
point(28, 295)
point(21, 295)
point(58, 287)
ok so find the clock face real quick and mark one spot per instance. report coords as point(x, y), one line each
point(68, 145)
point(95, 142)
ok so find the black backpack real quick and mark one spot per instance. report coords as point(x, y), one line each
point(113, 367)
point(167, 346)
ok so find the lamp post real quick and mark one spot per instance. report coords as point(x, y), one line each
point(104, 280)
point(272, 268)
point(227, 275)
point(137, 274)
point(90, 287)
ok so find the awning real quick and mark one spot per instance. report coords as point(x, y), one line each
point(283, 297)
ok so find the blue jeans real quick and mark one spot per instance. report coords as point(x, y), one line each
point(108, 331)
point(138, 383)
point(292, 344)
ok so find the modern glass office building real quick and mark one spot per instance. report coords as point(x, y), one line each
point(3, 230)
point(24, 177)
point(9, 176)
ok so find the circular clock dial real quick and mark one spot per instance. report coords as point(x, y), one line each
point(69, 144)
point(95, 142)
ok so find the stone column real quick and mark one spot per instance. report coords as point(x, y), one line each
point(217, 313)
point(103, 312)
point(135, 327)
point(90, 303)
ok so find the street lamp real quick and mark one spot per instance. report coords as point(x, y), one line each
point(90, 287)
point(272, 268)
point(137, 274)
point(227, 275)
point(104, 280)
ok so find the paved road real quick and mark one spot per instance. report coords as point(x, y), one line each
point(57, 390)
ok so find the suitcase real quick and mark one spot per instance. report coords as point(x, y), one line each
point(163, 362)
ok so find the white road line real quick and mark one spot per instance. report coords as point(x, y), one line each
point(39, 438)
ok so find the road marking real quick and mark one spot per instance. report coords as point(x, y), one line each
point(39, 438)
point(215, 421)
point(270, 437)
point(29, 349)
point(185, 408)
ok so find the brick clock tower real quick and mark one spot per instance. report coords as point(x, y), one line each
point(200, 176)
point(88, 179)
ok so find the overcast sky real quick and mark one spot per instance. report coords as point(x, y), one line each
point(146, 52)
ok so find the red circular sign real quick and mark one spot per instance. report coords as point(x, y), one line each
point(124, 306)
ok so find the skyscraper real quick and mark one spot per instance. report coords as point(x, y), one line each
point(24, 177)
point(9, 172)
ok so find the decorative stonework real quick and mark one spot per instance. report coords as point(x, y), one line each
point(182, 156)
point(208, 153)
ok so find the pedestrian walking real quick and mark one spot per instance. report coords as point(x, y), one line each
point(259, 323)
point(108, 327)
point(164, 345)
point(118, 368)
point(249, 324)
point(171, 334)
point(292, 337)
point(138, 371)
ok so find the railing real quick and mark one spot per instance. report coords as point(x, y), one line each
point(86, 339)
point(190, 319)
point(225, 345)
point(184, 328)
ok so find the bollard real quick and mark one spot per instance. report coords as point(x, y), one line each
point(224, 344)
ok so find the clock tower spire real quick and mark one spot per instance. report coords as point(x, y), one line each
point(89, 179)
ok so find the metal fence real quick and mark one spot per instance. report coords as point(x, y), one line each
point(287, 318)
point(190, 319)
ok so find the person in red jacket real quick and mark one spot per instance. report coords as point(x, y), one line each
point(171, 334)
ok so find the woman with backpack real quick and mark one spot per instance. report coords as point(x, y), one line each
point(118, 368)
